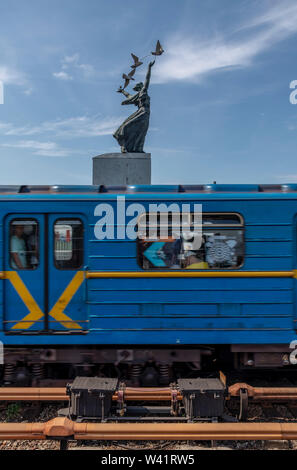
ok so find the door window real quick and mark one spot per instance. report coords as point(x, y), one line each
point(24, 244)
point(68, 243)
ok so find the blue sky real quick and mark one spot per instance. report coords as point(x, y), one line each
point(220, 106)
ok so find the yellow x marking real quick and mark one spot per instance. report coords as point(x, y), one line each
point(35, 313)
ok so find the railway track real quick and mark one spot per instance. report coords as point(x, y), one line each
point(274, 394)
point(63, 429)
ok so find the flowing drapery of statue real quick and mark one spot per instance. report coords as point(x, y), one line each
point(131, 133)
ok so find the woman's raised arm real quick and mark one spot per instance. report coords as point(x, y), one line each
point(148, 76)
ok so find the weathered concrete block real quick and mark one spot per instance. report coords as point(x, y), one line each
point(122, 168)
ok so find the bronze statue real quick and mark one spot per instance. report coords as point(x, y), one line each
point(131, 134)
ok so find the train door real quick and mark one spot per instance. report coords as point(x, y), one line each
point(24, 265)
point(66, 275)
point(44, 276)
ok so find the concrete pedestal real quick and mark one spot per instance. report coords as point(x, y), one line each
point(122, 169)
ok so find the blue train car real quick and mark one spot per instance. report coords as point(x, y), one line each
point(88, 279)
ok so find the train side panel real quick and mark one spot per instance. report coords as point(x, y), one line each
point(201, 310)
point(183, 310)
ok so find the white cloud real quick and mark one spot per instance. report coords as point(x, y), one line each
point(71, 59)
point(4, 127)
point(28, 91)
point(32, 144)
point(46, 149)
point(81, 126)
point(191, 58)
point(54, 153)
point(283, 17)
point(291, 178)
point(8, 75)
point(74, 68)
point(87, 69)
point(62, 75)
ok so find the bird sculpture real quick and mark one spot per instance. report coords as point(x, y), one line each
point(137, 62)
point(159, 49)
point(128, 77)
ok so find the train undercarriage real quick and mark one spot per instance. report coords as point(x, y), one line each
point(136, 366)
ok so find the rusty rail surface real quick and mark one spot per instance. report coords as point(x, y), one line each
point(146, 394)
point(264, 393)
point(59, 394)
point(33, 394)
point(61, 428)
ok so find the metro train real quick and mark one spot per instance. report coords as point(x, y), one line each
point(90, 284)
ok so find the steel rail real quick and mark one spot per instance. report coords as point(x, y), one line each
point(33, 394)
point(22, 431)
point(61, 428)
point(59, 394)
point(146, 394)
point(264, 393)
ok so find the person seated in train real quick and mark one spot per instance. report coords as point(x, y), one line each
point(174, 252)
point(192, 261)
point(32, 245)
point(18, 249)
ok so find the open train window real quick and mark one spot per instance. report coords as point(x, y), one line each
point(68, 243)
point(24, 244)
point(221, 241)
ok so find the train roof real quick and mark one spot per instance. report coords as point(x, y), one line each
point(214, 188)
point(149, 189)
point(150, 192)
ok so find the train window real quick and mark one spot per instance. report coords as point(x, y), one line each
point(221, 245)
point(68, 243)
point(24, 244)
point(223, 219)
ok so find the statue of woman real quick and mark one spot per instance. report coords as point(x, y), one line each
point(131, 134)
